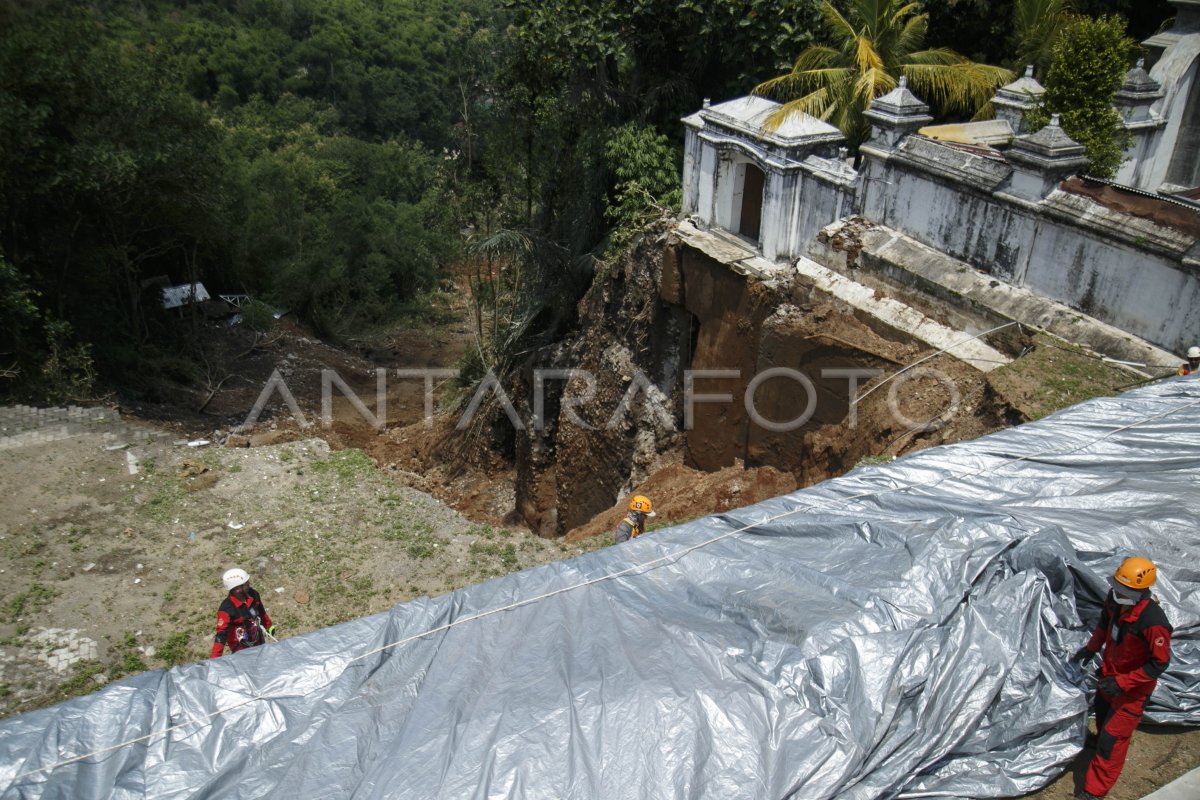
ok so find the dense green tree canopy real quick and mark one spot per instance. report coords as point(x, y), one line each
point(338, 156)
point(107, 173)
point(990, 31)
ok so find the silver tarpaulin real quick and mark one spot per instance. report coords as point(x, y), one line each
point(902, 631)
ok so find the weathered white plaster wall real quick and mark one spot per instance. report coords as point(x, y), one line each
point(692, 170)
point(1177, 72)
point(720, 141)
point(1119, 269)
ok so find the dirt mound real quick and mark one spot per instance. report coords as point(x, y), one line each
point(680, 493)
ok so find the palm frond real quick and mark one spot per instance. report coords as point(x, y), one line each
point(815, 57)
point(912, 35)
point(1036, 24)
point(871, 43)
point(900, 13)
point(1030, 15)
point(871, 84)
point(820, 104)
point(986, 111)
point(819, 56)
point(865, 55)
point(839, 27)
point(799, 83)
point(502, 243)
point(939, 56)
point(964, 85)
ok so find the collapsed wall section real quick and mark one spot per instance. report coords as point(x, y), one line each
point(776, 367)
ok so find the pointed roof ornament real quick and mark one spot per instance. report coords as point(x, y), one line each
point(1049, 147)
point(896, 114)
point(1014, 101)
point(1138, 82)
point(1051, 141)
point(1023, 89)
point(900, 101)
point(1136, 98)
point(1040, 160)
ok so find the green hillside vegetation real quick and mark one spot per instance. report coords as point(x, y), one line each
point(341, 158)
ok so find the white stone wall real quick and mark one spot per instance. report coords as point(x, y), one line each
point(1118, 268)
point(1067, 248)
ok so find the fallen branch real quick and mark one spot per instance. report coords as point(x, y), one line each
point(212, 394)
point(260, 343)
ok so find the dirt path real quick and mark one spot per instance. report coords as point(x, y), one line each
point(1157, 756)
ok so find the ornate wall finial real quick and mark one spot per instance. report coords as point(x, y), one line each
point(1054, 121)
point(1029, 70)
point(707, 102)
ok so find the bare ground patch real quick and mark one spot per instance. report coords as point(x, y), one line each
point(132, 562)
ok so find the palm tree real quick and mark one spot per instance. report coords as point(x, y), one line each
point(869, 47)
point(1036, 25)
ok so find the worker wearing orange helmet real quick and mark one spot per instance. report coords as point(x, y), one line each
point(634, 524)
point(1134, 640)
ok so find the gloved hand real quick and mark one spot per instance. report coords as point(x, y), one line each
point(1082, 655)
point(1108, 685)
point(271, 630)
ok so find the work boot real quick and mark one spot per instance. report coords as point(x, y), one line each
point(1084, 795)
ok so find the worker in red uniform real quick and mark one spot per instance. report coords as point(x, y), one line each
point(242, 620)
point(1192, 365)
point(1134, 640)
point(634, 524)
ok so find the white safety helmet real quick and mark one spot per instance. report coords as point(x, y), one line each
point(1194, 352)
point(234, 577)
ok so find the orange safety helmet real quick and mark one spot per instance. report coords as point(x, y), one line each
point(1136, 573)
point(641, 503)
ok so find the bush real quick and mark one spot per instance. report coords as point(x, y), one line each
point(258, 316)
point(646, 177)
point(1087, 66)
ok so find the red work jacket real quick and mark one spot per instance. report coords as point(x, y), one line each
point(1136, 642)
point(240, 623)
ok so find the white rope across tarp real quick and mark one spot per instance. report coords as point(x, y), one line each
point(633, 569)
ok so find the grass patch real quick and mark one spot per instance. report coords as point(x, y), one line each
point(165, 503)
point(416, 535)
point(174, 650)
point(124, 660)
point(1055, 375)
point(27, 604)
point(346, 465)
point(506, 553)
point(422, 547)
point(868, 461)
point(81, 681)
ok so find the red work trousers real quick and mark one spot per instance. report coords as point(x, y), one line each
point(1116, 720)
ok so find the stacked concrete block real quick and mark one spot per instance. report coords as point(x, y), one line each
point(26, 425)
point(62, 648)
